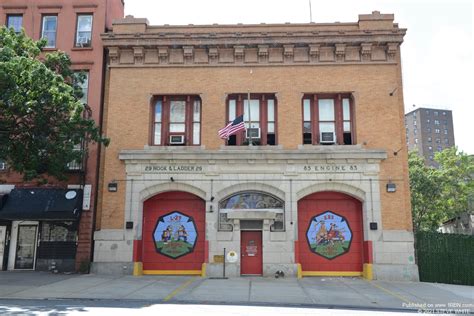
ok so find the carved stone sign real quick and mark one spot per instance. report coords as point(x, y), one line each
point(173, 169)
point(326, 168)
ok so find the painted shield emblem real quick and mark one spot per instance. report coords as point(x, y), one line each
point(329, 235)
point(175, 235)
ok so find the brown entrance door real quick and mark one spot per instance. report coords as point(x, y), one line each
point(251, 253)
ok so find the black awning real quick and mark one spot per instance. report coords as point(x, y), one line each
point(42, 204)
point(3, 199)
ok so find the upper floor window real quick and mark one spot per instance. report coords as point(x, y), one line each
point(429, 139)
point(3, 165)
point(15, 21)
point(84, 30)
point(259, 116)
point(177, 120)
point(436, 113)
point(427, 112)
point(48, 30)
point(84, 86)
point(414, 122)
point(436, 122)
point(436, 130)
point(328, 120)
point(444, 113)
point(428, 121)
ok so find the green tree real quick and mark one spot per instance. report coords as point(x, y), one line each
point(438, 194)
point(41, 116)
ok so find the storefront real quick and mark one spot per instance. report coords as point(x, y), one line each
point(38, 229)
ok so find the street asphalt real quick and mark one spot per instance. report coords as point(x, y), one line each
point(311, 292)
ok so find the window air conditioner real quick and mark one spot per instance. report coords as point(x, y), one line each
point(253, 132)
point(176, 139)
point(83, 41)
point(328, 138)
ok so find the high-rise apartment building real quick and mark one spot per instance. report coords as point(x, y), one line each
point(429, 130)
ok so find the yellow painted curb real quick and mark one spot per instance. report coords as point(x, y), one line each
point(331, 273)
point(299, 273)
point(137, 269)
point(172, 272)
point(203, 270)
point(367, 273)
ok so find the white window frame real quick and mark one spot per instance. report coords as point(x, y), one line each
point(43, 20)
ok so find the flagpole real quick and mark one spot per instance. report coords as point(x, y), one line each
point(250, 118)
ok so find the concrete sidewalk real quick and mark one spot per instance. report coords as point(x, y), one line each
point(342, 292)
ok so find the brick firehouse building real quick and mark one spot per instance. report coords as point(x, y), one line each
point(317, 184)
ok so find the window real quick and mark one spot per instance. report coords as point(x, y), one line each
point(446, 141)
point(440, 148)
point(177, 121)
point(444, 113)
point(430, 148)
point(260, 117)
point(428, 121)
point(437, 130)
point(251, 201)
point(416, 140)
point(445, 132)
point(429, 139)
point(427, 112)
point(414, 123)
point(3, 165)
point(84, 30)
point(415, 131)
point(428, 129)
point(436, 122)
point(438, 141)
point(328, 120)
point(84, 86)
point(15, 21)
point(48, 30)
point(445, 122)
point(435, 113)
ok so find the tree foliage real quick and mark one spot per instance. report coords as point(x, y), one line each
point(438, 194)
point(41, 116)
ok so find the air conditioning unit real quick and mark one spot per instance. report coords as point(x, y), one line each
point(176, 139)
point(328, 138)
point(253, 133)
point(83, 41)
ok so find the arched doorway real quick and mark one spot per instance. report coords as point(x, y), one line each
point(173, 233)
point(330, 233)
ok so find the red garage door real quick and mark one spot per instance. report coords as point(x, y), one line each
point(173, 232)
point(330, 233)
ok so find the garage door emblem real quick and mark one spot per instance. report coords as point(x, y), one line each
point(329, 235)
point(175, 235)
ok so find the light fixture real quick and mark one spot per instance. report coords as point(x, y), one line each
point(113, 186)
point(391, 187)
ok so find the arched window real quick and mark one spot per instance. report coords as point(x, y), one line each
point(251, 201)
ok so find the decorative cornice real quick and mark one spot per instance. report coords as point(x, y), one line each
point(374, 39)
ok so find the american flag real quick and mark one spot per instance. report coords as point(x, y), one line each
point(232, 128)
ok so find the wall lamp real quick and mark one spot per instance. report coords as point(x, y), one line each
point(113, 186)
point(391, 187)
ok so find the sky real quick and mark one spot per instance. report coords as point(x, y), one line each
point(437, 53)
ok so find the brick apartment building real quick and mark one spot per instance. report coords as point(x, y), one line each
point(52, 226)
point(428, 131)
point(322, 188)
